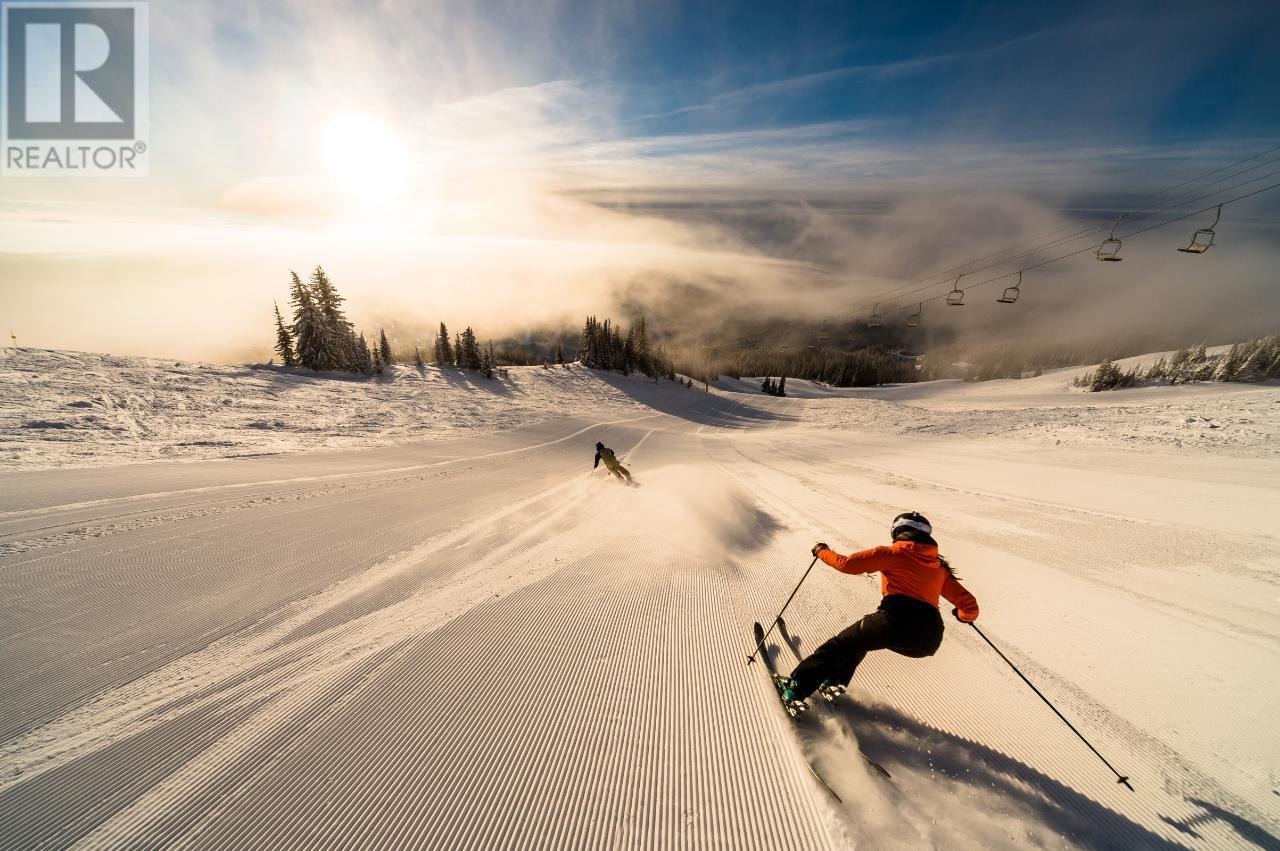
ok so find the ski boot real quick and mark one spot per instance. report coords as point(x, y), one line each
point(786, 693)
point(830, 690)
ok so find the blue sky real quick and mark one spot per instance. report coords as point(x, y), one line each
point(1108, 71)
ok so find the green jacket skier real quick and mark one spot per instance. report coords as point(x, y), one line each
point(605, 454)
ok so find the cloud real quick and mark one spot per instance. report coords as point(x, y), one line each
point(535, 198)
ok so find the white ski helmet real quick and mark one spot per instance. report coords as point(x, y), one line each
point(911, 520)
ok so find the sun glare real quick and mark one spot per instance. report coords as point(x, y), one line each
point(364, 158)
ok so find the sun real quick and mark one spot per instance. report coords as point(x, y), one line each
point(364, 158)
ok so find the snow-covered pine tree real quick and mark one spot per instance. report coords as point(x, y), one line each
point(444, 351)
point(1272, 345)
point(308, 325)
point(470, 349)
point(338, 340)
point(457, 351)
point(377, 361)
point(782, 386)
point(587, 345)
point(365, 356)
point(1256, 361)
point(1229, 365)
point(559, 353)
point(486, 362)
point(417, 359)
point(384, 347)
point(284, 341)
point(1204, 364)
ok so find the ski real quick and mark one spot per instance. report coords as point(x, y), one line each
point(772, 670)
point(827, 701)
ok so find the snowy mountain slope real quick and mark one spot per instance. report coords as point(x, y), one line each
point(74, 408)
point(1238, 419)
point(476, 642)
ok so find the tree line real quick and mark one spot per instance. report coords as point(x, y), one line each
point(321, 338)
point(863, 367)
point(1249, 361)
point(604, 346)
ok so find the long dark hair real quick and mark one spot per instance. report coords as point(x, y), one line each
point(916, 536)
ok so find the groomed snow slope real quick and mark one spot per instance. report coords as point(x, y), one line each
point(474, 642)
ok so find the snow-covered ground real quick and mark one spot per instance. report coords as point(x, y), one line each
point(427, 637)
point(76, 408)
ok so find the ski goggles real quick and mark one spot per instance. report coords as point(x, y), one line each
point(910, 524)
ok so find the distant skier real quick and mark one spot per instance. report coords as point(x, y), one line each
point(605, 454)
point(913, 576)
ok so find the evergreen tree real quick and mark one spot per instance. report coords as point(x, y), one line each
point(417, 359)
point(639, 337)
point(1271, 355)
point(486, 362)
point(1227, 368)
point(587, 345)
point(444, 351)
point(629, 354)
point(559, 353)
point(1255, 363)
point(338, 336)
point(364, 356)
point(284, 341)
point(782, 386)
point(470, 349)
point(384, 348)
point(458, 360)
point(616, 346)
point(308, 325)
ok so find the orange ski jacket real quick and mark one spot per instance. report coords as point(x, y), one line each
point(910, 569)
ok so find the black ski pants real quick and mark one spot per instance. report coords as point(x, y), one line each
point(902, 624)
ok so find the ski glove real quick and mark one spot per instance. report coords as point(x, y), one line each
point(955, 613)
point(817, 548)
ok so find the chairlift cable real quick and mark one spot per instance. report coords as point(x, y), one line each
point(1224, 179)
point(1090, 229)
point(1129, 235)
point(1070, 237)
point(1099, 227)
point(1215, 171)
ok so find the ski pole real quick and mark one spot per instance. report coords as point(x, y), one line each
point(1122, 778)
point(760, 646)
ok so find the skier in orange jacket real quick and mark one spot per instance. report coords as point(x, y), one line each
point(913, 576)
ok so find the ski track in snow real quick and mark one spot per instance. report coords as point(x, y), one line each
point(477, 643)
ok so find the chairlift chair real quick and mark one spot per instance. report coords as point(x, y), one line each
point(1202, 240)
point(955, 298)
point(1011, 293)
point(875, 320)
point(913, 321)
point(1109, 250)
